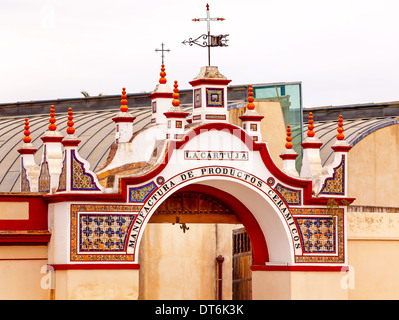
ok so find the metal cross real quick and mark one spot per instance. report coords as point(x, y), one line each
point(162, 50)
point(213, 41)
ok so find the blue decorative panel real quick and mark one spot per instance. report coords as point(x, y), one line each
point(80, 179)
point(104, 232)
point(197, 98)
point(141, 194)
point(290, 196)
point(318, 234)
point(214, 98)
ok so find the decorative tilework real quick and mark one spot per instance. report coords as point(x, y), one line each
point(292, 197)
point(318, 235)
point(62, 180)
point(160, 180)
point(254, 127)
point(80, 179)
point(214, 98)
point(270, 181)
point(197, 98)
point(215, 117)
point(103, 232)
point(322, 234)
point(141, 194)
point(335, 184)
point(99, 232)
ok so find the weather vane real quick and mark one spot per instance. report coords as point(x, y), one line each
point(208, 40)
point(162, 50)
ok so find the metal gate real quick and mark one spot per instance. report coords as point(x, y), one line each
point(242, 261)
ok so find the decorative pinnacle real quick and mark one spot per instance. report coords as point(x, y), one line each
point(288, 145)
point(162, 80)
point(52, 126)
point(70, 123)
point(176, 101)
point(250, 105)
point(310, 125)
point(27, 138)
point(340, 135)
point(124, 107)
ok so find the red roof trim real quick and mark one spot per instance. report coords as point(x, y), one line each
point(210, 81)
point(27, 151)
point(176, 114)
point(51, 139)
point(123, 119)
point(311, 145)
point(288, 156)
point(167, 95)
point(341, 148)
point(251, 118)
point(70, 143)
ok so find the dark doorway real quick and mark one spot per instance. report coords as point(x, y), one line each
point(242, 262)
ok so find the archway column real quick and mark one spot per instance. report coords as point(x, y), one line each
point(79, 282)
point(299, 283)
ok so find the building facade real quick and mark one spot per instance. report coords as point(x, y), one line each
point(160, 215)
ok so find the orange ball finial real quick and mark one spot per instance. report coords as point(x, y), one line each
point(288, 145)
point(27, 138)
point(310, 125)
point(70, 123)
point(124, 107)
point(52, 126)
point(340, 135)
point(250, 105)
point(176, 101)
point(162, 80)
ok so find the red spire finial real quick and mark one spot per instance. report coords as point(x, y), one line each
point(52, 126)
point(207, 7)
point(70, 123)
point(124, 101)
point(162, 80)
point(176, 101)
point(340, 135)
point(310, 125)
point(288, 145)
point(27, 138)
point(250, 105)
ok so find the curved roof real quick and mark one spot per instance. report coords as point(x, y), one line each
point(96, 130)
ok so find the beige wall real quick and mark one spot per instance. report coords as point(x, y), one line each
point(178, 266)
point(23, 271)
point(373, 177)
point(298, 285)
point(375, 269)
point(96, 284)
point(373, 252)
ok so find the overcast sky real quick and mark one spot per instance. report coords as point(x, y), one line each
point(343, 51)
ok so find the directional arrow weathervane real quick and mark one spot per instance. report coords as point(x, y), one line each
point(208, 40)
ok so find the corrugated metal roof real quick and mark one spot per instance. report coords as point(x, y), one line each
point(96, 130)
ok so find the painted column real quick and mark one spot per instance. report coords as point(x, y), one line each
point(210, 96)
